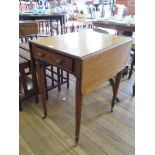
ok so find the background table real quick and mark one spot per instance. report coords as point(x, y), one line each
point(60, 17)
point(125, 28)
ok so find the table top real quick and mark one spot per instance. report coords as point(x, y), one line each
point(39, 15)
point(114, 20)
point(81, 44)
point(113, 23)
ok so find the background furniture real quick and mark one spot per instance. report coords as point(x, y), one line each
point(132, 67)
point(56, 75)
point(132, 61)
point(56, 17)
point(26, 89)
point(124, 28)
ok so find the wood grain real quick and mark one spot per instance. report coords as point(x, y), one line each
point(80, 44)
point(99, 68)
point(115, 26)
point(102, 133)
point(55, 59)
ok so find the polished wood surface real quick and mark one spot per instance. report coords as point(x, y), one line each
point(76, 51)
point(81, 44)
point(56, 59)
point(115, 26)
point(99, 68)
point(27, 28)
point(102, 133)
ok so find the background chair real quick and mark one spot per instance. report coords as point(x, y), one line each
point(56, 75)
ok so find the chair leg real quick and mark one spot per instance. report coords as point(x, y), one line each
point(20, 106)
point(58, 76)
point(131, 71)
point(39, 27)
point(42, 24)
point(22, 40)
point(61, 76)
point(67, 80)
point(46, 25)
point(132, 67)
point(52, 75)
point(125, 71)
point(133, 93)
point(36, 99)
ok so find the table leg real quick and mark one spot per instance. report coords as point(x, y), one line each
point(118, 78)
point(41, 82)
point(112, 83)
point(34, 77)
point(78, 109)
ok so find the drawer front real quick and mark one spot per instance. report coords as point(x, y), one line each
point(55, 59)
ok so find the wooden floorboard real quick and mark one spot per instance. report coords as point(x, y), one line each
point(102, 132)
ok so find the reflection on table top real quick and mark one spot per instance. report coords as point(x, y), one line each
point(81, 44)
